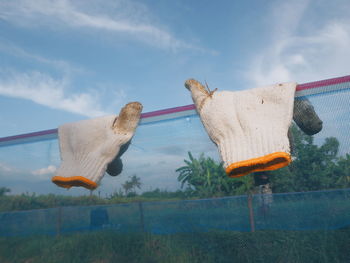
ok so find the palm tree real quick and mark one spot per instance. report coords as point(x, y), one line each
point(127, 187)
point(205, 177)
point(135, 182)
point(131, 184)
point(4, 190)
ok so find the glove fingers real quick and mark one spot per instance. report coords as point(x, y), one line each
point(123, 149)
point(128, 118)
point(306, 118)
point(115, 167)
point(198, 91)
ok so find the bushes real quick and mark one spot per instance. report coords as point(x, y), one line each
point(33, 201)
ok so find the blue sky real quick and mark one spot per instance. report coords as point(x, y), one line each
point(68, 60)
point(63, 61)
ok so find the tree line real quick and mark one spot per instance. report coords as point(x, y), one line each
point(313, 168)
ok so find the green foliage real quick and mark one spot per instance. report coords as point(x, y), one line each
point(206, 178)
point(210, 247)
point(314, 168)
point(116, 194)
point(4, 190)
point(33, 201)
point(130, 185)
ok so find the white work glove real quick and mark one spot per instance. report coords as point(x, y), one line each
point(249, 127)
point(87, 147)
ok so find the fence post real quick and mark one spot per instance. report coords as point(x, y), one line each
point(141, 217)
point(59, 221)
point(251, 212)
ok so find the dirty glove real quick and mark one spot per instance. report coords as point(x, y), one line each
point(249, 127)
point(305, 116)
point(88, 146)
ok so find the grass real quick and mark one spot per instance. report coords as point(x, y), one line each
point(224, 246)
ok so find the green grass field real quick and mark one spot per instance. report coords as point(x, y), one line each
point(226, 246)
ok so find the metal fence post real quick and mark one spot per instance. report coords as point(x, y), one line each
point(59, 221)
point(142, 223)
point(251, 212)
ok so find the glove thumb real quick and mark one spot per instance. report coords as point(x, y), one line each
point(305, 117)
point(198, 92)
point(115, 167)
point(128, 118)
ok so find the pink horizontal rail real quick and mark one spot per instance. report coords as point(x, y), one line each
point(28, 135)
point(167, 111)
point(322, 83)
point(53, 132)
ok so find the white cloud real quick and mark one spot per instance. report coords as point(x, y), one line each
point(45, 90)
point(45, 171)
point(4, 168)
point(54, 92)
point(22, 180)
point(126, 17)
point(300, 50)
point(61, 65)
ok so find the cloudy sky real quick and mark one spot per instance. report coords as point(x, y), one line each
point(63, 61)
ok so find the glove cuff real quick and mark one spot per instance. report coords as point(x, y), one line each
point(68, 182)
point(255, 151)
point(92, 167)
point(87, 147)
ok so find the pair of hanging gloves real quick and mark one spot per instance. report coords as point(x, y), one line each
point(250, 129)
